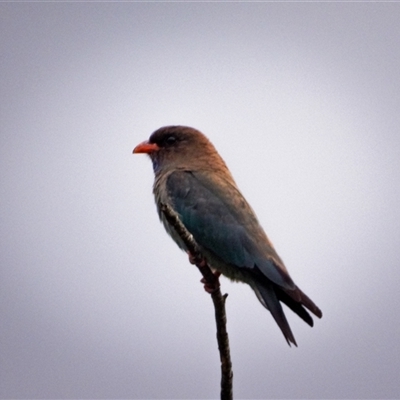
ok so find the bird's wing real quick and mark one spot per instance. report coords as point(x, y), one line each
point(219, 218)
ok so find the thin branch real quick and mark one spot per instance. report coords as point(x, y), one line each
point(212, 285)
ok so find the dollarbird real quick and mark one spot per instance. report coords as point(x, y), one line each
point(193, 179)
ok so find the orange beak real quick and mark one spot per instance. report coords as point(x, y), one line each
point(145, 147)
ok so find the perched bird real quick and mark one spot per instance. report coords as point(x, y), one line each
point(192, 178)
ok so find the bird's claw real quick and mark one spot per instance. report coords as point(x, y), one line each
point(212, 287)
point(195, 260)
point(200, 262)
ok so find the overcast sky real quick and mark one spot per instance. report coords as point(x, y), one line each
point(303, 102)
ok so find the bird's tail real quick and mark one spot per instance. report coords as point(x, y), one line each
point(269, 299)
point(308, 303)
point(296, 300)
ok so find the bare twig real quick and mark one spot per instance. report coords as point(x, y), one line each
point(211, 280)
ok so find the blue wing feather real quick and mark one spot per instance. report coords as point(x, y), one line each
point(221, 221)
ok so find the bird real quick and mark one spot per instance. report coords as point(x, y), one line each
point(192, 178)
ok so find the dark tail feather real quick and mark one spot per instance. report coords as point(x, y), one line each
point(291, 297)
point(307, 302)
point(269, 299)
point(295, 306)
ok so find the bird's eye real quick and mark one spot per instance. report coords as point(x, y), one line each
point(170, 140)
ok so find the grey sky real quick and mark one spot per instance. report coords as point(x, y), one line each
point(301, 100)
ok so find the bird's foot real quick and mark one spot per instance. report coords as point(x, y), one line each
point(211, 287)
point(201, 263)
point(212, 284)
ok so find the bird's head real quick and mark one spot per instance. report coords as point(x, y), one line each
point(172, 147)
